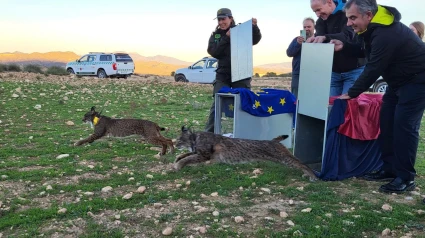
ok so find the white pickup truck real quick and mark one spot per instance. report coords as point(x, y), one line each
point(203, 71)
point(102, 65)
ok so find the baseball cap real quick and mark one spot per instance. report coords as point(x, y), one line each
point(223, 12)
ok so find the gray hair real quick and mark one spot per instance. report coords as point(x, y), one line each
point(363, 6)
point(323, 1)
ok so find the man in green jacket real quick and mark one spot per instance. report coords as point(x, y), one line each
point(395, 52)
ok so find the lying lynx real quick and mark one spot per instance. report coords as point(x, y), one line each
point(106, 126)
point(204, 146)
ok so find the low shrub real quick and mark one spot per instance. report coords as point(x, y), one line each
point(14, 68)
point(56, 70)
point(33, 68)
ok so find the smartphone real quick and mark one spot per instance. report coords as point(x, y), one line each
point(303, 34)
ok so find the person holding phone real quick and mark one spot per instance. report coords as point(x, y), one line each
point(219, 48)
point(294, 51)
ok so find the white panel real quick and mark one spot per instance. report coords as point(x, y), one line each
point(241, 51)
point(315, 79)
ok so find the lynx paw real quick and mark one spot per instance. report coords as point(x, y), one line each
point(312, 179)
point(78, 143)
point(176, 166)
point(179, 157)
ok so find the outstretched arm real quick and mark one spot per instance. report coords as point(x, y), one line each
point(256, 34)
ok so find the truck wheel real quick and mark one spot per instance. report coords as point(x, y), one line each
point(381, 87)
point(70, 71)
point(180, 78)
point(101, 74)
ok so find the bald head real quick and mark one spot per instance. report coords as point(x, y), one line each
point(322, 8)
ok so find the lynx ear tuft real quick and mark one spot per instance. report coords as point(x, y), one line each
point(184, 129)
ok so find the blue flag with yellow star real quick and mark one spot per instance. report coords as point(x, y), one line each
point(266, 103)
point(228, 106)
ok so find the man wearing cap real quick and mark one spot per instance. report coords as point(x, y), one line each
point(219, 48)
point(332, 24)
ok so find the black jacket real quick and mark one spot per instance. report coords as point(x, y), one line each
point(335, 27)
point(392, 50)
point(219, 48)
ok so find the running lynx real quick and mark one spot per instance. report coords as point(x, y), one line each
point(106, 126)
point(204, 146)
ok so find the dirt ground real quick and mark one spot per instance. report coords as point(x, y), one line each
point(274, 82)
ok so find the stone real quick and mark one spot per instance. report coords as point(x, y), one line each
point(167, 231)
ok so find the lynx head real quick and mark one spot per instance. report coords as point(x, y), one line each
point(186, 139)
point(90, 116)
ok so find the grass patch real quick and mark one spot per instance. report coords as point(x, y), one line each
point(31, 140)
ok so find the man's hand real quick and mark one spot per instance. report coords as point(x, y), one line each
point(338, 44)
point(310, 40)
point(300, 40)
point(319, 39)
point(228, 33)
point(254, 21)
point(316, 39)
point(344, 96)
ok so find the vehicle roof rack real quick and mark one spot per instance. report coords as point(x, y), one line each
point(96, 53)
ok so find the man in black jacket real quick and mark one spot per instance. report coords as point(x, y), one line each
point(395, 52)
point(219, 48)
point(332, 24)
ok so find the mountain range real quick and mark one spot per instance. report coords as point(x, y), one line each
point(158, 65)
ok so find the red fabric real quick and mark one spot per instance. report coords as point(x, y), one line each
point(361, 117)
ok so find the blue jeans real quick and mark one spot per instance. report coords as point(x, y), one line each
point(341, 82)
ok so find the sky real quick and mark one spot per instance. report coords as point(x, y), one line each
point(179, 29)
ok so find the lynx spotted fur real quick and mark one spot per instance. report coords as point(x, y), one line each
point(106, 126)
point(204, 146)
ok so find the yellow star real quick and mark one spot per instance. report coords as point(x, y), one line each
point(270, 110)
point(257, 104)
point(257, 94)
point(282, 101)
point(231, 107)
